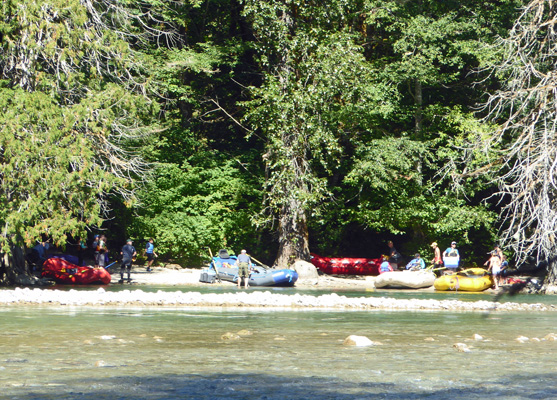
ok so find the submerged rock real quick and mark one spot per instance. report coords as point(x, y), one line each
point(522, 339)
point(245, 332)
point(230, 336)
point(551, 337)
point(461, 348)
point(358, 341)
point(478, 337)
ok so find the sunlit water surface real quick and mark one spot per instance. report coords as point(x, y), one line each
point(179, 353)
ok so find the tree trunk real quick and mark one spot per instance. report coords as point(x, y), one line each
point(15, 271)
point(550, 282)
point(293, 235)
point(418, 112)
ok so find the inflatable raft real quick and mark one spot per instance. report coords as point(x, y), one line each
point(225, 269)
point(405, 279)
point(62, 271)
point(470, 280)
point(346, 265)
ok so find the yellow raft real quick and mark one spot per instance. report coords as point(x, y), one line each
point(469, 280)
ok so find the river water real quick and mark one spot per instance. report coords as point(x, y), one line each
point(65, 352)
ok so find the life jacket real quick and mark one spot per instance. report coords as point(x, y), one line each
point(385, 267)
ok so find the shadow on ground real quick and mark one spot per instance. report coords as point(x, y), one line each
point(269, 387)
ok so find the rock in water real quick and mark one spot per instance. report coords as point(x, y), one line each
point(551, 337)
point(230, 336)
point(478, 337)
point(461, 347)
point(358, 341)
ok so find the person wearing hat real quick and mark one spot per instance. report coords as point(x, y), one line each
point(437, 260)
point(451, 258)
point(128, 253)
point(451, 251)
point(416, 263)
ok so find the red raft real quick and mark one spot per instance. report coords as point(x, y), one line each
point(346, 266)
point(63, 271)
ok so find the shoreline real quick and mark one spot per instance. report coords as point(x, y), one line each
point(133, 296)
point(246, 299)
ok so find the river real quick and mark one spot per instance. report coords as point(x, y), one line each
point(110, 352)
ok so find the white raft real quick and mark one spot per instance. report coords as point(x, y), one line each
point(405, 279)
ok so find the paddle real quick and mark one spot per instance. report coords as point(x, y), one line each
point(214, 265)
point(110, 265)
point(257, 261)
point(430, 268)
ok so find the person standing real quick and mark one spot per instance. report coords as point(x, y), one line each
point(394, 256)
point(81, 249)
point(451, 251)
point(103, 252)
point(128, 253)
point(95, 248)
point(437, 260)
point(451, 257)
point(150, 253)
point(243, 261)
point(495, 268)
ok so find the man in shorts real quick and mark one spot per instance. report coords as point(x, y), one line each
point(150, 253)
point(243, 263)
point(128, 253)
point(495, 268)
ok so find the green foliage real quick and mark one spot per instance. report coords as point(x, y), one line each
point(189, 208)
point(50, 182)
point(74, 111)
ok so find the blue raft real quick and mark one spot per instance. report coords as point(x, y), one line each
point(259, 276)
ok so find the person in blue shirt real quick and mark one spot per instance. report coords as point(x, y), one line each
point(451, 251)
point(416, 263)
point(243, 262)
point(150, 253)
point(385, 266)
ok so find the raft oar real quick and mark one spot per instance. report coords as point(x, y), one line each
point(430, 268)
point(257, 261)
point(110, 265)
point(214, 265)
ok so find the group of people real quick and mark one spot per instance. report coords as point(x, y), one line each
point(128, 254)
point(448, 261)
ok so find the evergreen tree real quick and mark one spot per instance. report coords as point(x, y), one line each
point(74, 108)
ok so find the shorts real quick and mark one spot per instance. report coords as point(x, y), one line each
point(126, 264)
point(150, 256)
point(243, 270)
point(101, 260)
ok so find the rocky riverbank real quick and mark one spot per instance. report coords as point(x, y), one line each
point(186, 280)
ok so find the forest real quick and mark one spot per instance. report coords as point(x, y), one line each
point(279, 126)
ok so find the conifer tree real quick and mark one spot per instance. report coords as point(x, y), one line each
point(74, 105)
